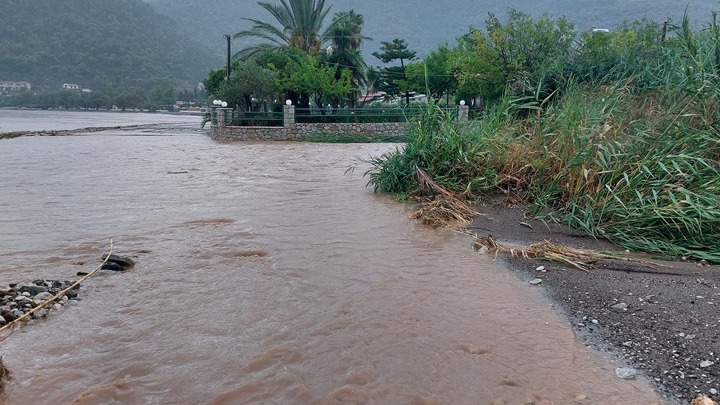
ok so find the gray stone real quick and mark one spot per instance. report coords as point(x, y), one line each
point(121, 260)
point(32, 289)
point(536, 281)
point(25, 294)
point(21, 299)
point(626, 373)
point(37, 303)
point(3, 321)
point(112, 266)
point(44, 296)
point(56, 306)
point(40, 313)
point(620, 307)
point(706, 364)
point(713, 391)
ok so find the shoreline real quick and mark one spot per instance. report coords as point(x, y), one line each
point(117, 111)
point(64, 132)
point(660, 318)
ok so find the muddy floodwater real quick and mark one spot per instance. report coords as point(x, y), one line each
point(265, 274)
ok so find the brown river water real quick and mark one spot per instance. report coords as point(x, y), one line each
point(265, 275)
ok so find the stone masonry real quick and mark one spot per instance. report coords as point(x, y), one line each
point(292, 131)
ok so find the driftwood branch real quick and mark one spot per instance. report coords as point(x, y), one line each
point(586, 260)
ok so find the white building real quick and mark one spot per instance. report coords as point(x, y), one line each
point(7, 87)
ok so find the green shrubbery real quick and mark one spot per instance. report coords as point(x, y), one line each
point(617, 135)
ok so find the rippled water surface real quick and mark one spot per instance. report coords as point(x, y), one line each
point(265, 275)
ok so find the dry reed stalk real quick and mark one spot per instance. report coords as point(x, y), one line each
point(703, 400)
point(56, 296)
point(578, 258)
point(427, 182)
point(445, 212)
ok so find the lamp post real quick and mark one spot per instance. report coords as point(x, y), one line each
point(227, 37)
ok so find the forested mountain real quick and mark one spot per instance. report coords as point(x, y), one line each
point(98, 44)
point(423, 24)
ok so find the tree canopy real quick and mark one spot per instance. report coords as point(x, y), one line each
point(299, 24)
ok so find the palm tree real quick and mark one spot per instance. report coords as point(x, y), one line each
point(300, 26)
point(345, 34)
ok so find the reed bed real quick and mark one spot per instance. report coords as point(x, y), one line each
point(633, 156)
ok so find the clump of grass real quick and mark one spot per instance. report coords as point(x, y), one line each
point(441, 147)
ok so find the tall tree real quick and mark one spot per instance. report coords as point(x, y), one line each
point(300, 26)
point(304, 76)
point(523, 56)
point(345, 35)
point(389, 78)
point(432, 74)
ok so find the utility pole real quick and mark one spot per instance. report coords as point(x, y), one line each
point(227, 36)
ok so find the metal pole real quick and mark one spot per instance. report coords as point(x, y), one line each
point(227, 36)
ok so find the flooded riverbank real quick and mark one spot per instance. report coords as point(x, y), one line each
point(265, 274)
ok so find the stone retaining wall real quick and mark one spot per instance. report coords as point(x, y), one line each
point(295, 131)
point(292, 131)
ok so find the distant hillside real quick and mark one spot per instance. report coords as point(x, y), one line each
point(99, 44)
point(424, 24)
